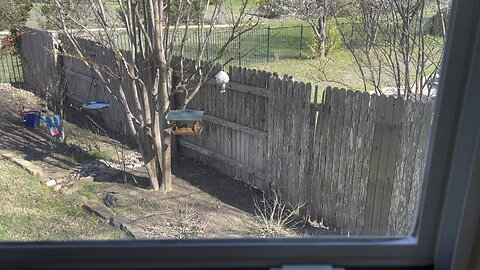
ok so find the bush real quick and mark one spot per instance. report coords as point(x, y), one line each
point(333, 41)
point(14, 13)
point(11, 43)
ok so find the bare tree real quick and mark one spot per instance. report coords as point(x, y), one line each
point(314, 12)
point(391, 46)
point(157, 31)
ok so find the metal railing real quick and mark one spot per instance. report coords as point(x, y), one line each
point(255, 46)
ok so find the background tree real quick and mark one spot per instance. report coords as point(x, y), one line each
point(314, 12)
point(391, 45)
point(156, 36)
point(77, 11)
point(14, 13)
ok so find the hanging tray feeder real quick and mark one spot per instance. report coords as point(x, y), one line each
point(96, 105)
point(186, 122)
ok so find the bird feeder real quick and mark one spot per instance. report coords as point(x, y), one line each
point(222, 79)
point(186, 122)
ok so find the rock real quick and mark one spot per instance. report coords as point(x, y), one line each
point(57, 188)
point(51, 183)
point(86, 179)
point(110, 199)
point(78, 199)
point(103, 177)
point(99, 209)
point(127, 226)
point(118, 222)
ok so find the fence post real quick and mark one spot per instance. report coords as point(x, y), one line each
point(301, 39)
point(268, 44)
point(239, 51)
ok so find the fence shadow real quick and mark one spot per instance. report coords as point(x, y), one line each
point(224, 188)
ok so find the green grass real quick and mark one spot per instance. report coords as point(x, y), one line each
point(90, 191)
point(30, 211)
point(339, 67)
point(99, 147)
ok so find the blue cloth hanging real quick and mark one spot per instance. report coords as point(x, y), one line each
point(54, 124)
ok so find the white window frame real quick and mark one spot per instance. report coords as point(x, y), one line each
point(449, 173)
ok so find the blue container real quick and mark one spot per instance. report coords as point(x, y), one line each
point(32, 119)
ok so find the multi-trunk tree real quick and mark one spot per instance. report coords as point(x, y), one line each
point(156, 31)
point(314, 12)
point(392, 44)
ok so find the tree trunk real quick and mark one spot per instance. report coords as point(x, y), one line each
point(321, 38)
point(166, 182)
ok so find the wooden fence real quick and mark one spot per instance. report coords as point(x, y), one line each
point(356, 159)
point(235, 137)
point(367, 160)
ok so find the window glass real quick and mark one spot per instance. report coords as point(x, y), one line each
point(123, 122)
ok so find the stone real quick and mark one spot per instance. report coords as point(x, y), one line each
point(127, 226)
point(99, 209)
point(57, 188)
point(110, 199)
point(77, 198)
point(103, 177)
point(119, 222)
point(51, 183)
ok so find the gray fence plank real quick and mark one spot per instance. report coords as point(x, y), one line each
point(374, 161)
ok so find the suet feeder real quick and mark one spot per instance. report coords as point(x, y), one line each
point(186, 122)
point(222, 79)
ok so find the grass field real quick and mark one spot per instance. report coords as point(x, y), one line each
point(29, 211)
point(338, 71)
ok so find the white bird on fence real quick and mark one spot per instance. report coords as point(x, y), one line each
point(222, 78)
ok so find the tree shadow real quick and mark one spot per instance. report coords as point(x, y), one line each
point(224, 188)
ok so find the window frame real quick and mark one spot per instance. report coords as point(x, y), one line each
point(445, 161)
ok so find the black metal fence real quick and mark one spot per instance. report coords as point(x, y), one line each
point(10, 69)
point(255, 46)
point(258, 45)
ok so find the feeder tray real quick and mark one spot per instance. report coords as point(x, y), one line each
point(96, 105)
point(186, 122)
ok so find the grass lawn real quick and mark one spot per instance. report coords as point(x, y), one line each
point(339, 67)
point(29, 211)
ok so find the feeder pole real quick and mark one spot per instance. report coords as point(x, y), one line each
point(301, 39)
point(268, 44)
point(239, 51)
